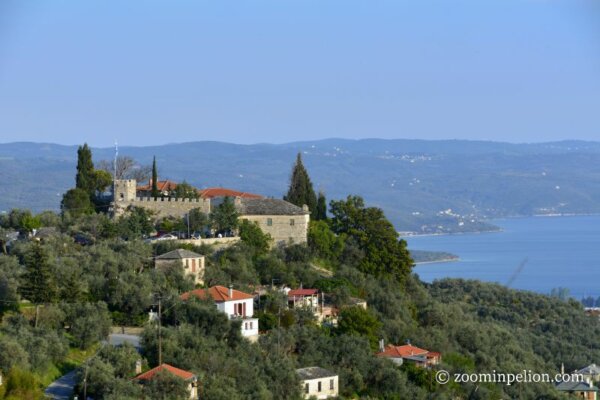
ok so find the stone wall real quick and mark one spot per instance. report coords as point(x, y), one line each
point(164, 207)
point(281, 228)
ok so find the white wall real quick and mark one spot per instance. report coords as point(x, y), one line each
point(326, 392)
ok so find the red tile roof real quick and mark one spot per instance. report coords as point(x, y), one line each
point(302, 292)
point(162, 186)
point(218, 293)
point(406, 350)
point(148, 375)
point(209, 193)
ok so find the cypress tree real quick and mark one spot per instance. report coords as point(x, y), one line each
point(301, 189)
point(321, 214)
point(85, 178)
point(154, 179)
point(39, 285)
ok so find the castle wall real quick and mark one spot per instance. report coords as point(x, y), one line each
point(281, 228)
point(164, 207)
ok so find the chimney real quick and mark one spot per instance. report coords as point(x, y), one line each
point(138, 367)
point(381, 345)
point(237, 201)
point(305, 208)
point(230, 291)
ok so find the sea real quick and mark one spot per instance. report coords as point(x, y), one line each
point(530, 253)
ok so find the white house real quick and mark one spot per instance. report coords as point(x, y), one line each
point(318, 382)
point(234, 303)
point(193, 263)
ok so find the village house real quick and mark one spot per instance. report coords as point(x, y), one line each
point(318, 382)
point(218, 192)
point(285, 222)
point(234, 303)
point(581, 390)
point(319, 303)
point(409, 353)
point(187, 376)
point(591, 372)
point(193, 263)
point(165, 188)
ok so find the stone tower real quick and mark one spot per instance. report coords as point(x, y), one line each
point(125, 190)
point(124, 194)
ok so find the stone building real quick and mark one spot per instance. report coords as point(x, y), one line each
point(285, 222)
point(193, 263)
point(318, 382)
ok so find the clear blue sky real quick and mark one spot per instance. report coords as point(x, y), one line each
point(153, 72)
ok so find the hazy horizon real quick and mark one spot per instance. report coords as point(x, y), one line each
point(120, 144)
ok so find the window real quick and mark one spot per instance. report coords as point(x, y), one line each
point(306, 388)
point(292, 222)
point(251, 325)
point(331, 384)
point(246, 326)
point(269, 221)
point(319, 386)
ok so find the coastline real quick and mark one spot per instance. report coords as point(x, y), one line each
point(443, 260)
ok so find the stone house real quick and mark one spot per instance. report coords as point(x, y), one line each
point(193, 263)
point(318, 382)
point(285, 222)
point(234, 303)
point(187, 376)
point(580, 390)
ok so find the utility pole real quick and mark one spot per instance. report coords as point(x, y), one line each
point(37, 314)
point(85, 381)
point(159, 330)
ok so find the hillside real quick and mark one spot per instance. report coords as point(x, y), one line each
point(423, 186)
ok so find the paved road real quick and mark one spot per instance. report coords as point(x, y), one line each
point(117, 339)
point(62, 388)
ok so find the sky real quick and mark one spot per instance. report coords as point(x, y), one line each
point(153, 72)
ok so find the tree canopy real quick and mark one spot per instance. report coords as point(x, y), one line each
point(301, 191)
point(384, 253)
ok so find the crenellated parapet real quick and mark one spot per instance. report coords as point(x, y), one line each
point(126, 196)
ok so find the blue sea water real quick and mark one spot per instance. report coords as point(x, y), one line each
point(559, 252)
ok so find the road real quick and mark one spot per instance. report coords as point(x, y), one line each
point(62, 388)
point(117, 339)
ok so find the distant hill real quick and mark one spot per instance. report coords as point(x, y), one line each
point(423, 186)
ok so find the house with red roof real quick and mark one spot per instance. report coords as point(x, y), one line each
point(234, 303)
point(164, 188)
point(187, 376)
point(409, 353)
point(214, 192)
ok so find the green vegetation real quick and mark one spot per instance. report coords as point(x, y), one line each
point(84, 286)
point(155, 192)
point(426, 256)
point(301, 191)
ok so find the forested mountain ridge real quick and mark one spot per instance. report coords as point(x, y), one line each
point(423, 186)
